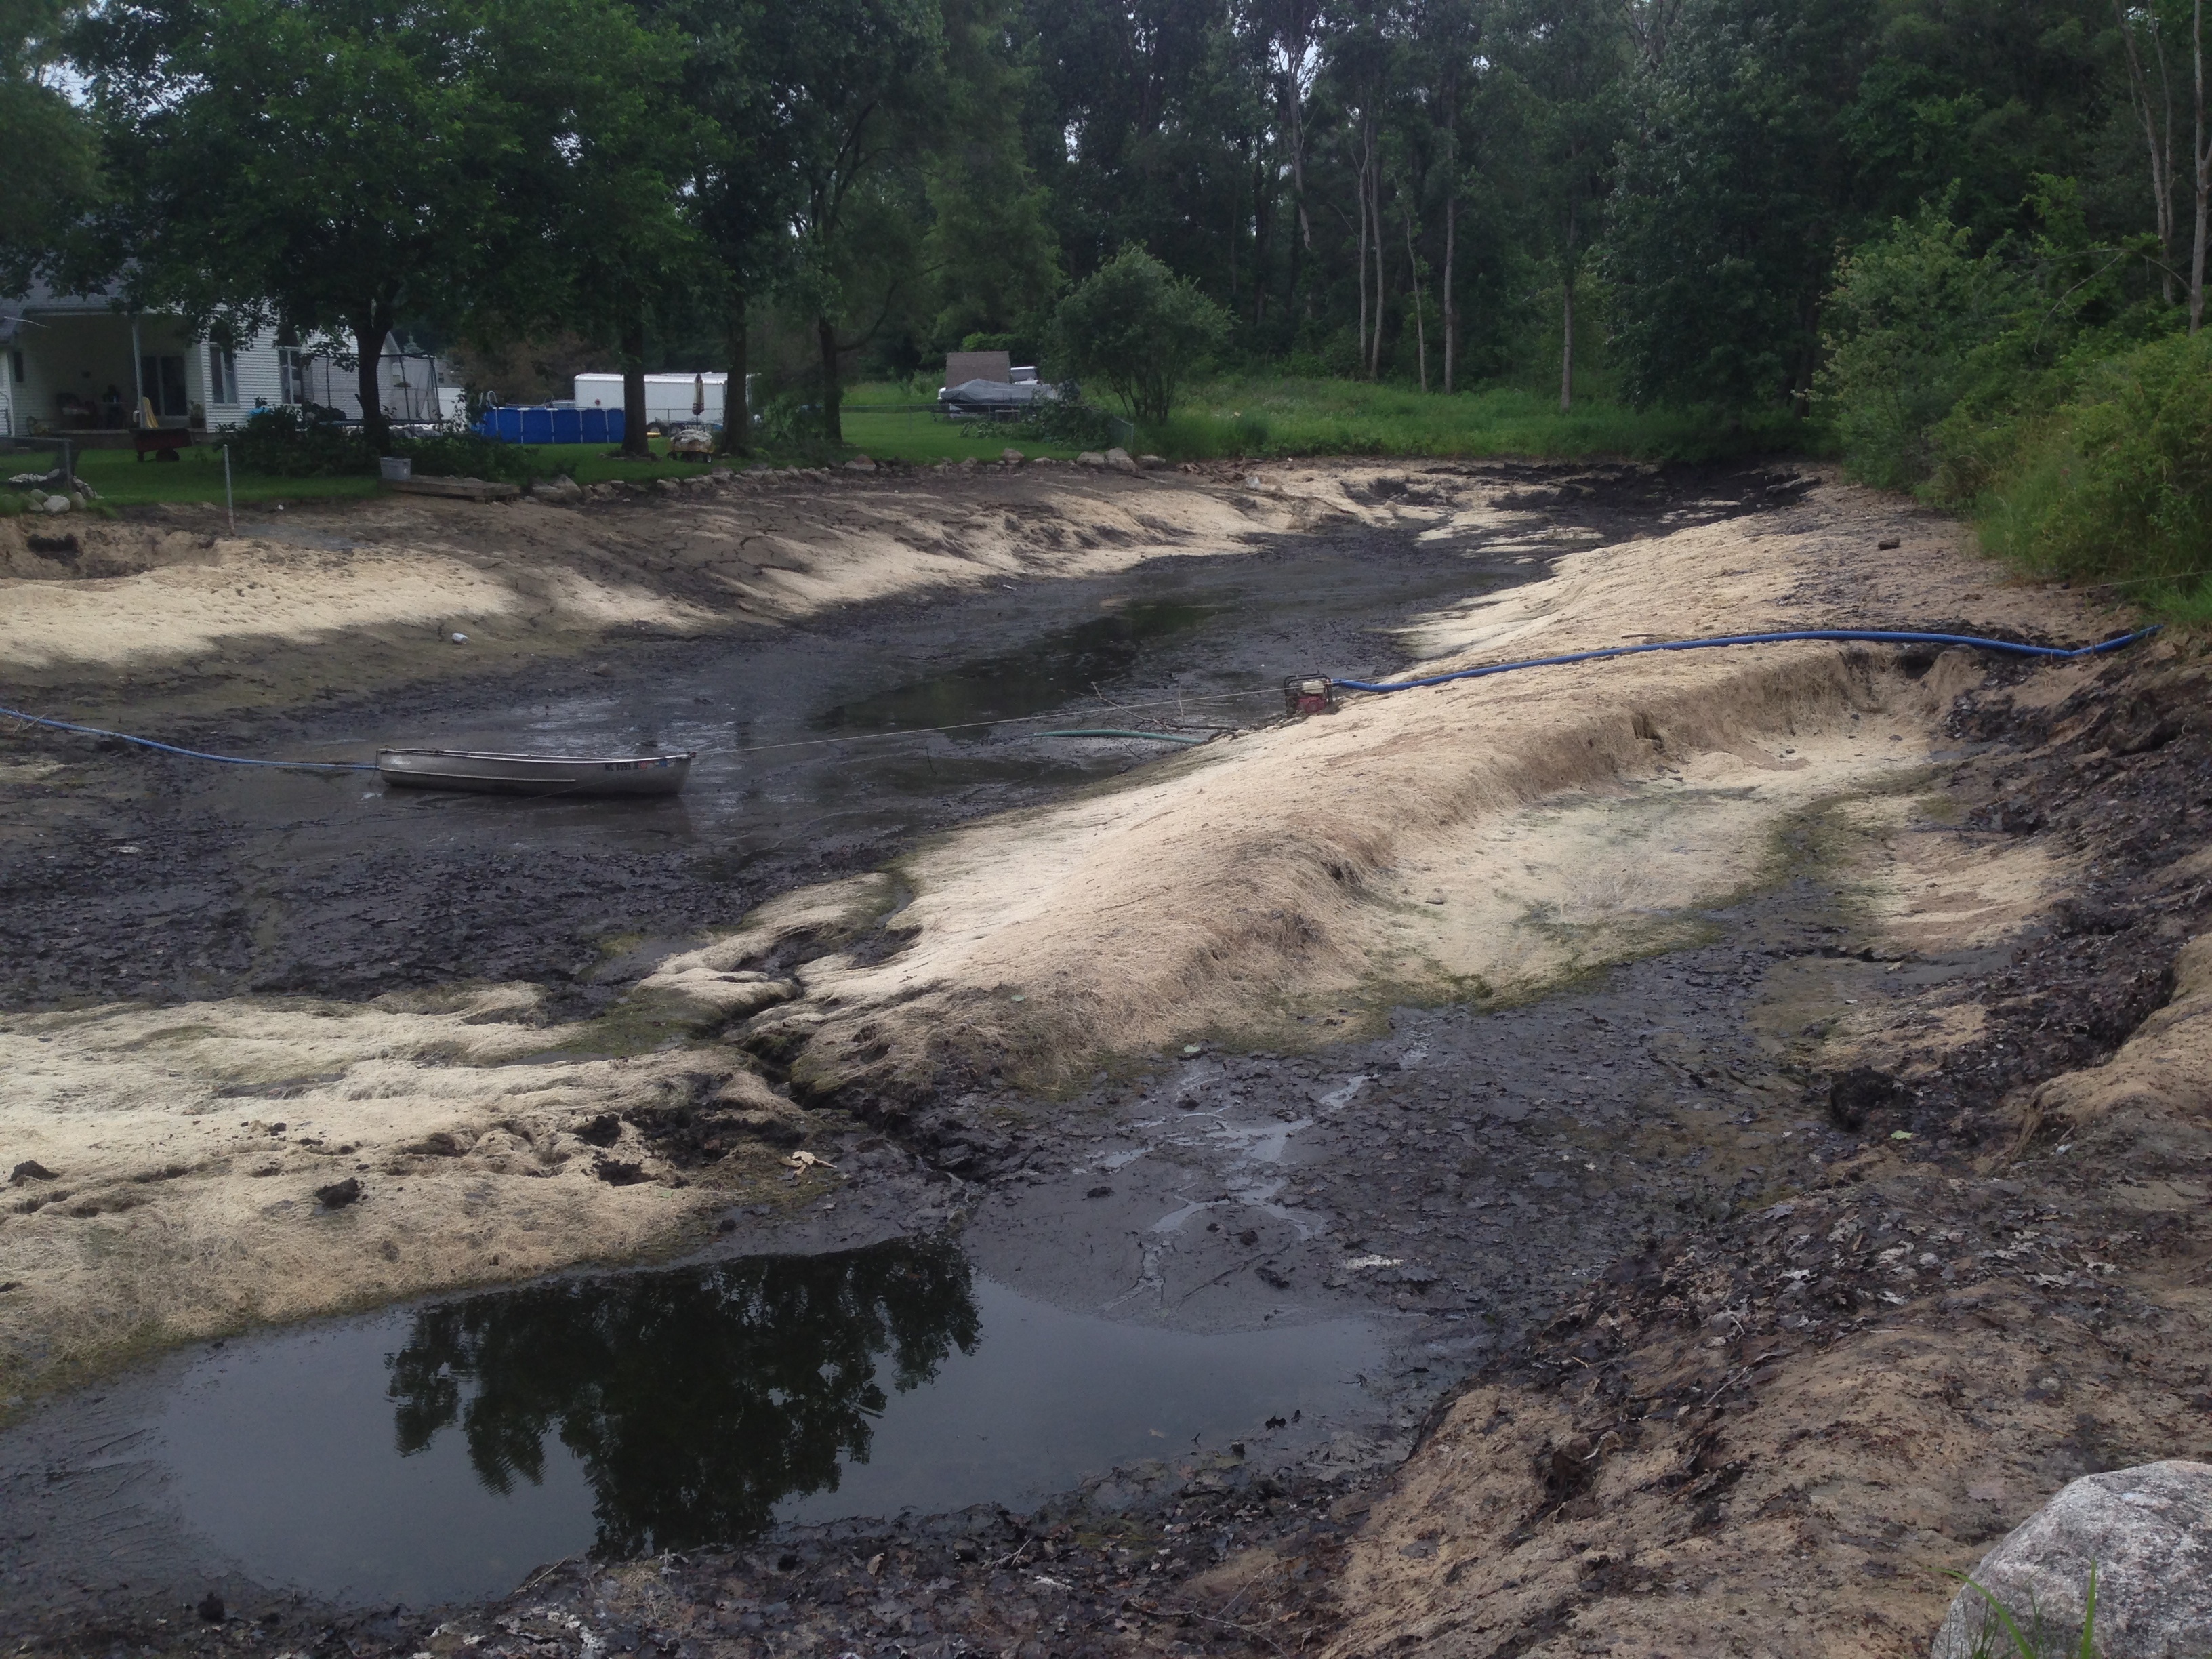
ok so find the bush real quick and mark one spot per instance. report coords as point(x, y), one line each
point(2116, 482)
point(1138, 328)
point(1067, 420)
point(302, 440)
point(1911, 312)
point(307, 440)
point(457, 452)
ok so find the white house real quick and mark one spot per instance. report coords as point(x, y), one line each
point(76, 366)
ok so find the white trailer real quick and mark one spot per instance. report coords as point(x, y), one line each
point(668, 397)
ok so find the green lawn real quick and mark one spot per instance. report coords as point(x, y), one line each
point(1280, 415)
point(1256, 416)
point(123, 479)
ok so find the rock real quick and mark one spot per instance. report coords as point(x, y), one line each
point(339, 1194)
point(1091, 458)
point(29, 1169)
point(859, 464)
point(2147, 1530)
point(1118, 458)
point(558, 491)
point(1011, 456)
point(1152, 463)
point(56, 504)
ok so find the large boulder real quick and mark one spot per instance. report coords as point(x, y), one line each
point(2147, 1530)
point(1118, 458)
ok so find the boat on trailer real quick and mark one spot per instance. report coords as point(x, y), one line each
point(481, 773)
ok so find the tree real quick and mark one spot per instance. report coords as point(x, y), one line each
point(858, 87)
point(742, 190)
point(625, 252)
point(334, 163)
point(993, 259)
point(53, 175)
point(1140, 329)
point(1574, 58)
point(1733, 197)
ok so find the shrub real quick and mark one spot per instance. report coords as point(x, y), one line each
point(2117, 481)
point(1067, 420)
point(1910, 313)
point(457, 452)
point(302, 440)
point(1140, 330)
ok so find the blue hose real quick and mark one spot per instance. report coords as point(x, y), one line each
point(190, 754)
point(1861, 636)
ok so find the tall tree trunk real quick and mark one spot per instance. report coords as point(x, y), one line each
point(633, 445)
point(2155, 114)
point(1360, 185)
point(1375, 191)
point(1451, 304)
point(1263, 220)
point(368, 343)
point(2201, 157)
point(1420, 327)
point(737, 404)
point(1567, 343)
point(1567, 313)
point(833, 390)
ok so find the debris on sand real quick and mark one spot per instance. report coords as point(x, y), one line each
point(339, 1194)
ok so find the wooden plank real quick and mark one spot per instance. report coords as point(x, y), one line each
point(465, 489)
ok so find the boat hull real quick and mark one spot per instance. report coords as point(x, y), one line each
point(627, 775)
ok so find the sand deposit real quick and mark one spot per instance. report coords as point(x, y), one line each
point(355, 594)
point(167, 1163)
point(1486, 839)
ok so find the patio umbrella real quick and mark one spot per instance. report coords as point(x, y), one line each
point(698, 396)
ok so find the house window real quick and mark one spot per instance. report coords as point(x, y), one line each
point(15, 366)
point(291, 375)
point(223, 374)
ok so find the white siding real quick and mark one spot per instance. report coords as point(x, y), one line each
point(259, 385)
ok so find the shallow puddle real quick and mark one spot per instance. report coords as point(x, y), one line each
point(441, 1452)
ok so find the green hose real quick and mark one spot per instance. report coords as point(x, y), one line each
point(1156, 737)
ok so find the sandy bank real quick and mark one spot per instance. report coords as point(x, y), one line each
point(1484, 840)
point(350, 596)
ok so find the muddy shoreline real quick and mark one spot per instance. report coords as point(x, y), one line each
point(1551, 1204)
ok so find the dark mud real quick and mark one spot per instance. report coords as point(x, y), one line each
point(1730, 1222)
point(128, 874)
point(1280, 1265)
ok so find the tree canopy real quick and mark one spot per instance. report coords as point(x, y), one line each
point(1651, 198)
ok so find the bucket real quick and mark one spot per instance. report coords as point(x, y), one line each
point(393, 468)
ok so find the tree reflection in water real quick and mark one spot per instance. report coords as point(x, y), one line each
point(696, 1399)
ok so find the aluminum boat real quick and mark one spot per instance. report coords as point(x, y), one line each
point(534, 774)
